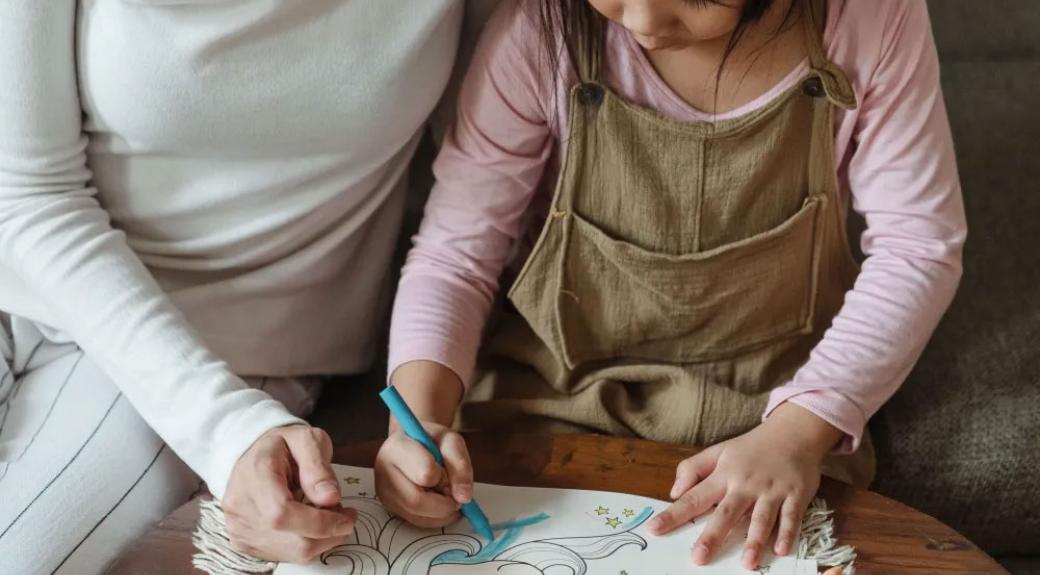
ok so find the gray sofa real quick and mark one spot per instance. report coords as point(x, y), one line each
point(960, 440)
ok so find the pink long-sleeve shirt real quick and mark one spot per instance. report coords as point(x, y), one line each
point(896, 167)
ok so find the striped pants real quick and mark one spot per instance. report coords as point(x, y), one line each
point(81, 474)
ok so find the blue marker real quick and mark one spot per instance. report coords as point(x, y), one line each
point(412, 428)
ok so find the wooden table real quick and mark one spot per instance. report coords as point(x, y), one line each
point(890, 537)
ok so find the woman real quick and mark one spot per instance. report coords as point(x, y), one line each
point(194, 195)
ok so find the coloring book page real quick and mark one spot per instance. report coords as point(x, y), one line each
point(537, 532)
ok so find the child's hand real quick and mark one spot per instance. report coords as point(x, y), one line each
point(771, 471)
point(414, 487)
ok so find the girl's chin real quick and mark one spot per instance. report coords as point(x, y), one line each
point(653, 43)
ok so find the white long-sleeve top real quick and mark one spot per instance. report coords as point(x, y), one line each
point(193, 189)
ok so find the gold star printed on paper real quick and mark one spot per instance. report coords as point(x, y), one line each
point(614, 522)
point(352, 480)
point(628, 513)
point(602, 510)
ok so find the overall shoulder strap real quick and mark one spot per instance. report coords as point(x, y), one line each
point(835, 82)
point(814, 14)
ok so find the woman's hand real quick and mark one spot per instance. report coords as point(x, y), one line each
point(413, 486)
point(265, 516)
point(771, 472)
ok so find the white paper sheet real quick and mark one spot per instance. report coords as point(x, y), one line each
point(538, 532)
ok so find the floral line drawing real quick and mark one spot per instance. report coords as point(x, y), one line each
point(386, 545)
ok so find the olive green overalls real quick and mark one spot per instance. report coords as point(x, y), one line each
point(684, 270)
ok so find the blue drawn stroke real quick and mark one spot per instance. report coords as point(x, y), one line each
point(638, 519)
point(513, 530)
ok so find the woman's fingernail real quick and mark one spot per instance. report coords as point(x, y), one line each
point(344, 527)
point(750, 559)
point(700, 554)
point(655, 524)
point(781, 547)
point(327, 487)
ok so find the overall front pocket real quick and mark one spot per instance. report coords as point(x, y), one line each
point(617, 300)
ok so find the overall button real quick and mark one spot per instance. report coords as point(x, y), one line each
point(590, 94)
point(814, 87)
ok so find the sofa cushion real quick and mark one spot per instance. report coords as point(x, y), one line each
point(974, 30)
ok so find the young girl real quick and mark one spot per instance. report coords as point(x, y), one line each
point(691, 280)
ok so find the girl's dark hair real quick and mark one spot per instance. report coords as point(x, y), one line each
point(567, 19)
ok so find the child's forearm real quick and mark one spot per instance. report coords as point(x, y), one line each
point(801, 426)
point(431, 390)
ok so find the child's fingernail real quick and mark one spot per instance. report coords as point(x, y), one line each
point(700, 554)
point(464, 493)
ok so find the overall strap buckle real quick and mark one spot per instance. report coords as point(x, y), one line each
point(590, 94)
